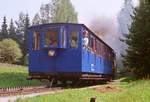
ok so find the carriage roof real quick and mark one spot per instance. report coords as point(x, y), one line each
point(58, 24)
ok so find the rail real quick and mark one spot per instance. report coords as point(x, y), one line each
point(26, 90)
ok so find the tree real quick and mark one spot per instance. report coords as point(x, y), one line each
point(36, 20)
point(0, 35)
point(45, 13)
point(4, 31)
point(26, 25)
point(65, 12)
point(124, 17)
point(12, 30)
point(138, 41)
point(20, 23)
point(9, 51)
point(22, 35)
point(56, 11)
point(54, 4)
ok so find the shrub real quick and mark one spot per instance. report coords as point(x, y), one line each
point(25, 60)
point(9, 51)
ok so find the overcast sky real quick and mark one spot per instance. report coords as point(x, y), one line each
point(87, 9)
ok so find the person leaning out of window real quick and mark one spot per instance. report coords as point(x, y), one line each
point(85, 39)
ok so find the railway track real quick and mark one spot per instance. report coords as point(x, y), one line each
point(26, 90)
point(13, 91)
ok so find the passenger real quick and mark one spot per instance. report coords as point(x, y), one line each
point(73, 43)
point(53, 40)
point(53, 43)
point(73, 40)
point(85, 39)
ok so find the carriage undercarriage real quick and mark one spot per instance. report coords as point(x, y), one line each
point(75, 79)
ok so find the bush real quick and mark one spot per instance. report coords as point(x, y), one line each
point(9, 51)
point(25, 60)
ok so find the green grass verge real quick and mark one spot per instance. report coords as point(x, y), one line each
point(136, 91)
point(13, 76)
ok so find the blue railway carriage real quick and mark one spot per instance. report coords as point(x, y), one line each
point(66, 51)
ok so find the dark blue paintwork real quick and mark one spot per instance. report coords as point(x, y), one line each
point(66, 59)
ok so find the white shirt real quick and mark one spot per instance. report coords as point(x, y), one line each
point(85, 41)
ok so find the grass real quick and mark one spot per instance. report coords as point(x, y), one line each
point(132, 91)
point(13, 76)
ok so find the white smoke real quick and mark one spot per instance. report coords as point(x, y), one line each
point(103, 26)
point(107, 29)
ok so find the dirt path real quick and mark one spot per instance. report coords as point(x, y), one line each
point(13, 98)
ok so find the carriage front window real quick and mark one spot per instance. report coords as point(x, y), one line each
point(51, 38)
point(36, 41)
point(74, 39)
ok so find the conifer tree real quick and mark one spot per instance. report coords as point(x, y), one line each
point(22, 25)
point(20, 29)
point(138, 41)
point(26, 25)
point(12, 30)
point(4, 31)
point(36, 19)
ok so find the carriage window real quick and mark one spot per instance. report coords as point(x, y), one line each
point(99, 48)
point(96, 45)
point(51, 38)
point(74, 39)
point(91, 44)
point(36, 41)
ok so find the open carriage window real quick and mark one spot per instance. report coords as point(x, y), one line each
point(91, 44)
point(73, 39)
point(85, 38)
point(36, 41)
point(51, 38)
point(96, 46)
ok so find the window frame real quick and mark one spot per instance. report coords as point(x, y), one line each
point(57, 40)
point(36, 40)
point(77, 35)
